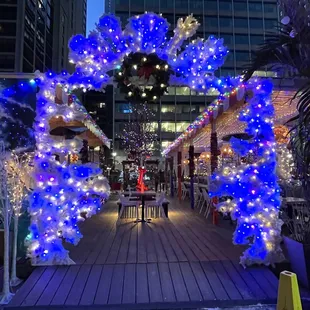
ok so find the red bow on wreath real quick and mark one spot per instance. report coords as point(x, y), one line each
point(145, 71)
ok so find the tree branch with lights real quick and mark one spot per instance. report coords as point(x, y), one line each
point(253, 188)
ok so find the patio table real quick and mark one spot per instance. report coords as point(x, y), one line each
point(143, 196)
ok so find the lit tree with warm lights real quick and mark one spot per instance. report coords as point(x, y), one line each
point(253, 187)
point(139, 134)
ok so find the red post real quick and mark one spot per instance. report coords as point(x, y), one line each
point(179, 175)
point(191, 174)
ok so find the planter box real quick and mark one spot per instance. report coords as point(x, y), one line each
point(299, 257)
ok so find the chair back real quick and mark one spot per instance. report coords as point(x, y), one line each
point(123, 199)
point(205, 194)
point(161, 198)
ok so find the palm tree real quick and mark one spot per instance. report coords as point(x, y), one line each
point(287, 52)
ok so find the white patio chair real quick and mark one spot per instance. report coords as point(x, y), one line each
point(198, 196)
point(184, 191)
point(207, 202)
point(157, 205)
point(126, 203)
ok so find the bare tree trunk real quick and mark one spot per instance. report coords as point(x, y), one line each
point(14, 279)
point(6, 295)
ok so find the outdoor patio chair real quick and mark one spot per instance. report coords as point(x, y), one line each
point(128, 205)
point(207, 203)
point(155, 206)
point(198, 196)
point(184, 191)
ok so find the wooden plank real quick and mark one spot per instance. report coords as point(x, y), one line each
point(142, 284)
point(242, 287)
point(214, 281)
point(150, 245)
point(116, 290)
point(90, 289)
point(78, 286)
point(49, 292)
point(26, 288)
point(161, 255)
point(273, 280)
point(178, 282)
point(142, 258)
point(132, 251)
point(65, 286)
point(174, 244)
point(102, 257)
point(154, 283)
point(120, 232)
point(123, 251)
point(104, 285)
point(166, 245)
point(166, 283)
point(129, 292)
point(39, 287)
point(250, 282)
point(190, 282)
point(202, 281)
point(227, 282)
point(269, 289)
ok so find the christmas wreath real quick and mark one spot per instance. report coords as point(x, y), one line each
point(144, 78)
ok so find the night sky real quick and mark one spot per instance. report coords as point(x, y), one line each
point(95, 8)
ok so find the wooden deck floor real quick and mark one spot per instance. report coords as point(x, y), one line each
point(184, 261)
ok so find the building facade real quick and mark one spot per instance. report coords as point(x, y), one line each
point(243, 24)
point(34, 34)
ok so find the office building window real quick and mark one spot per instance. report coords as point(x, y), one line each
point(241, 23)
point(7, 62)
point(228, 38)
point(7, 45)
point(180, 127)
point(226, 22)
point(181, 4)
point(8, 12)
point(225, 7)
point(164, 144)
point(7, 29)
point(229, 58)
point(228, 71)
point(211, 5)
point(124, 18)
point(167, 108)
point(152, 127)
point(256, 23)
point(270, 24)
point(255, 7)
point(101, 105)
point(182, 91)
point(255, 40)
point(211, 22)
point(241, 39)
point(240, 6)
point(168, 126)
point(195, 4)
point(242, 56)
point(164, 4)
point(171, 90)
point(270, 8)
point(123, 108)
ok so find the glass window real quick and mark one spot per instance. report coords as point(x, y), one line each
point(180, 127)
point(167, 108)
point(195, 4)
point(228, 71)
point(211, 5)
point(171, 90)
point(181, 4)
point(124, 18)
point(225, 22)
point(211, 21)
point(228, 38)
point(202, 108)
point(240, 6)
point(225, 6)
point(256, 23)
point(182, 91)
point(164, 144)
point(270, 24)
point(7, 45)
point(7, 29)
point(241, 39)
point(255, 7)
point(242, 56)
point(166, 4)
point(230, 57)
point(168, 126)
point(255, 40)
point(123, 108)
point(241, 23)
point(270, 8)
point(8, 12)
point(152, 127)
point(7, 62)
